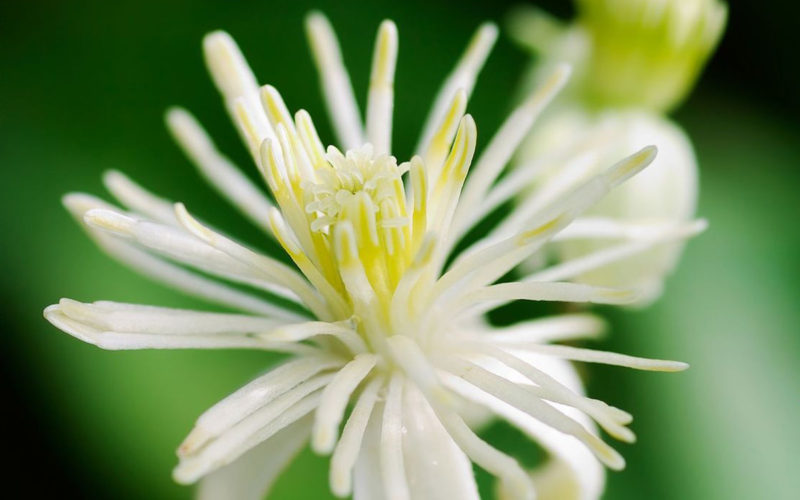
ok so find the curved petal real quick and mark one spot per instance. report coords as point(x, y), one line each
point(251, 475)
point(367, 482)
point(572, 472)
point(436, 468)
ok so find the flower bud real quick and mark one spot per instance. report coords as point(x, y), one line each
point(647, 53)
point(663, 195)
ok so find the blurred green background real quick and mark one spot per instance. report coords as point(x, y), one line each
point(83, 87)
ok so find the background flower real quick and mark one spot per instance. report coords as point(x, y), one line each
point(84, 85)
point(634, 61)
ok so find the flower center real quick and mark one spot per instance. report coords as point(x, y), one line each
point(356, 203)
point(357, 184)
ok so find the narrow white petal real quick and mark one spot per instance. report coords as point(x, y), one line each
point(165, 272)
point(605, 256)
point(521, 177)
point(436, 467)
point(228, 67)
point(138, 199)
point(603, 357)
point(550, 329)
point(334, 401)
point(380, 101)
point(597, 227)
point(506, 141)
point(57, 318)
point(392, 466)
point(238, 86)
point(519, 236)
point(438, 145)
point(189, 282)
point(367, 477)
point(493, 296)
point(482, 265)
point(523, 399)
point(335, 82)
point(252, 430)
point(347, 449)
point(297, 332)
point(409, 356)
point(181, 246)
point(586, 473)
point(253, 396)
point(251, 475)
point(217, 169)
point(514, 479)
point(123, 317)
point(575, 192)
point(556, 190)
point(267, 267)
point(610, 419)
point(116, 340)
point(462, 77)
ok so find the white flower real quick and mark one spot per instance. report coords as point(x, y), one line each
point(372, 313)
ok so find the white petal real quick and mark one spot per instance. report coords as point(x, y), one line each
point(462, 77)
point(349, 446)
point(166, 272)
point(572, 471)
point(334, 401)
point(251, 431)
point(393, 470)
point(341, 330)
point(121, 317)
point(253, 396)
point(571, 268)
point(603, 357)
point(549, 329)
point(380, 101)
point(251, 475)
point(520, 236)
point(238, 86)
point(60, 317)
point(436, 467)
point(591, 227)
point(506, 141)
point(218, 170)
point(181, 246)
point(576, 190)
point(261, 265)
point(612, 420)
point(493, 296)
point(513, 478)
point(138, 199)
point(367, 477)
point(335, 82)
point(518, 397)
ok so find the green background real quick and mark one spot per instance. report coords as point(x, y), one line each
point(83, 87)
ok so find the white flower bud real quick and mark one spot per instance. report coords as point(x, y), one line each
point(664, 194)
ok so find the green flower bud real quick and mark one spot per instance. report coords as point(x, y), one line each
point(647, 53)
